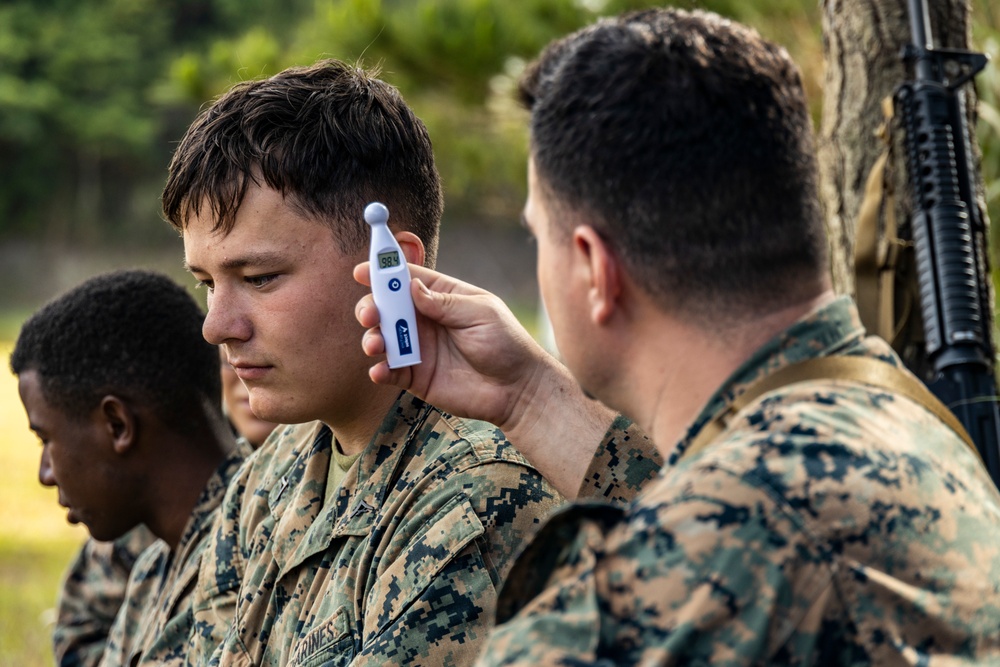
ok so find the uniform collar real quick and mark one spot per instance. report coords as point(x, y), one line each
point(303, 525)
point(825, 331)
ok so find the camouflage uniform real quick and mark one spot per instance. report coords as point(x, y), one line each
point(833, 523)
point(153, 624)
point(92, 592)
point(624, 463)
point(403, 565)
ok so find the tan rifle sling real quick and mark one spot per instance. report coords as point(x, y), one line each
point(876, 255)
point(862, 370)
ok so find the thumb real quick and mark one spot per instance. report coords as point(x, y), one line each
point(453, 311)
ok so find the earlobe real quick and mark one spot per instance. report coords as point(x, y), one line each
point(412, 246)
point(603, 273)
point(120, 422)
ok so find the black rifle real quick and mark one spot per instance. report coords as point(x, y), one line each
point(949, 235)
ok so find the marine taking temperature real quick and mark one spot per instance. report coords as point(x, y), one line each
point(391, 288)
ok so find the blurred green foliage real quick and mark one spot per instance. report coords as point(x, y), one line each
point(986, 34)
point(94, 93)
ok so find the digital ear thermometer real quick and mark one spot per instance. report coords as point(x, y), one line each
point(391, 288)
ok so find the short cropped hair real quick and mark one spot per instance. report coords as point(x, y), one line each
point(134, 334)
point(685, 140)
point(330, 137)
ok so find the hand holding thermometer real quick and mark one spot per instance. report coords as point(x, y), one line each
point(391, 289)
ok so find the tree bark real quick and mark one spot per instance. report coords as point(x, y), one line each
point(862, 43)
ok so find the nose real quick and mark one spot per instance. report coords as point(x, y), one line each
point(226, 320)
point(45, 475)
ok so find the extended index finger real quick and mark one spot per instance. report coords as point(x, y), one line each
point(439, 282)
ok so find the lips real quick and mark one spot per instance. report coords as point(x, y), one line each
point(250, 372)
point(71, 515)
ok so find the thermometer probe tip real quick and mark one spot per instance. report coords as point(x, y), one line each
point(376, 214)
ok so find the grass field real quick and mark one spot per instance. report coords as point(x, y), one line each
point(36, 543)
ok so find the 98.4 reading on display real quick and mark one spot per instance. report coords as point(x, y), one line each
point(387, 260)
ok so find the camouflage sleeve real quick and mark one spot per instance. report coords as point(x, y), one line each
point(140, 596)
point(696, 576)
point(213, 603)
point(434, 600)
point(93, 590)
point(624, 463)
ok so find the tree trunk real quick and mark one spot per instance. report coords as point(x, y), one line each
point(862, 43)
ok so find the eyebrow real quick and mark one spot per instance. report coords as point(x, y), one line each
point(241, 262)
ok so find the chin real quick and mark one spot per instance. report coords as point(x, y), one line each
point(261, 407)
point(277, 413)
point(103, 534)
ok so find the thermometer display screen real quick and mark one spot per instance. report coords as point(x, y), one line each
point(387, 260)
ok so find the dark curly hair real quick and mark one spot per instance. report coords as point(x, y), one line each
point(135, 334)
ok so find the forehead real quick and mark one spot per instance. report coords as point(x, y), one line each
point(266, 227)
point(40, 411)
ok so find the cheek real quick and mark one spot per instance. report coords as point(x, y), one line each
point(59, 462)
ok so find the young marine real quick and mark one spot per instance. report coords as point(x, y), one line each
point(124, 394)
point(378, 530)
point(94, 586)
point(812, 509)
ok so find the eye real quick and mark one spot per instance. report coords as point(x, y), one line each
point(207, 284)
point(261, 281)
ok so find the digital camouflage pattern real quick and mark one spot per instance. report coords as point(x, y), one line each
point(153, 624)
point(832, 523)
point(93, 589)
point(402, 567)
point(624, 463)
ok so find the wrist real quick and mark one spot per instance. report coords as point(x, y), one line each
point(531, 410)
point(557, 427)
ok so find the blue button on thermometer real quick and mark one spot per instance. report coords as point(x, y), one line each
point(391, 288)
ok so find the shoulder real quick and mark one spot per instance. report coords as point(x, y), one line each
point(466, 442)
point(838, 457)
point(857, 424)
point(475, 459)
point(148, 566)
point(139, 604)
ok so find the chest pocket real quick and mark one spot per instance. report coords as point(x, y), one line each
point(417, 561)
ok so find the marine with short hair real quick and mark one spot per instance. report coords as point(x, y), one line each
point(124, 394)
point(379, 528)
point(93, 587)
point(816, 505)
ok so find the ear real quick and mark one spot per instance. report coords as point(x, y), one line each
point(602, 269)
point(120, 422)
point(413, 247)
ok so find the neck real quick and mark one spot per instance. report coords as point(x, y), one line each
point(179, 477)
point(354, 428)
point(686, 365)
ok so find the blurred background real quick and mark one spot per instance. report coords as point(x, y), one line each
point(94, 94)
